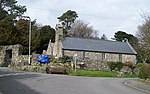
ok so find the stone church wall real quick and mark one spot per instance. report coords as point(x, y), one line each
point(101, 56)
point(129, 58)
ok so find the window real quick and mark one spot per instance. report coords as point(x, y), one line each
point(120, 57)
point(83, 55)
point(103, 56)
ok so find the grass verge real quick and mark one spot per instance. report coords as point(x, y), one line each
point(93, 73)
point(98, 73)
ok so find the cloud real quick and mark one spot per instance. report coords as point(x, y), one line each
point(107, 16)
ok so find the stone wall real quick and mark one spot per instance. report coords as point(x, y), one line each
point(21, 60)
point(2, 54)
point(101, 56)
point(111, 57)
point(14, 50)
point(93, 56)
point(129, 58)
point(16, 56)
point(72, 53)
point(97, 64)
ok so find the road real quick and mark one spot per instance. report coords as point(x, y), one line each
point(12, 82)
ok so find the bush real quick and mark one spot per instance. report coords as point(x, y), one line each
point(115, 65)
point(144, 71)
point(60, 60)
point(65, 59)
point(111, 65)
point(119, 65)
point(131, 66)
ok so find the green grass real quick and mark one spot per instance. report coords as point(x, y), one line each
point(98, 73)
point(130, 76)
point(93, 73)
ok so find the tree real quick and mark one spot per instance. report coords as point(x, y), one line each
point(8, 33)
point(67, 19)
point(121, 36)
point(22, 26)
point(144, 38)
point(9, 9)
point(82, 29)
point(104, 37)
point(46, 33)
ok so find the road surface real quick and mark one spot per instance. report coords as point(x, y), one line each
point(12, 82)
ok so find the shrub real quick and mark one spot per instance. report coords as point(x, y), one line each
point(131, 66)
point(111, 65)
point(144, 71)
point(65, 59)
point(115, 65)
point(119, 65)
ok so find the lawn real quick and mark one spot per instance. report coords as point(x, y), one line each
point(98, 73)
point(93, 73)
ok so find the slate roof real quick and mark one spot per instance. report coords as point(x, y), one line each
point(95, 45)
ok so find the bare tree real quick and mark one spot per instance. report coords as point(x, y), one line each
point(82, 29)
point(144, 38)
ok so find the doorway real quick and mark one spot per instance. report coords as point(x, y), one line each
point(8, 58)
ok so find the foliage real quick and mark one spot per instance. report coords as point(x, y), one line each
point(31, 68)
point(93, 73)
point(11, 34)
point(119, 65)
point(1, 48)
point(144, 71)
point(14, 30)
point(129, 75)
point(8, 33)
point(111, 65)
point(67, 19)
point(144, 38)
point(81, 29)
point(115, 65)
point(22, 26)
point(121, 36)
point(131, 66)
point(46, 34)
point(65, 59)
point(9, 9)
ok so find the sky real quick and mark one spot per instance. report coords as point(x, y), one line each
point(106, 16)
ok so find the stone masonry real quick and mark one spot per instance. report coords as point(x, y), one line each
point(57, 48)
point(14, 56)
point(102, 56)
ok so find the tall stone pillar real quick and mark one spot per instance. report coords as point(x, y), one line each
point(57, 51)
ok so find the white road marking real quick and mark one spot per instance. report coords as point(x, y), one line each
point(14, 74)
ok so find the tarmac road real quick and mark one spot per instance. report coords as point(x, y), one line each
point(31, 83)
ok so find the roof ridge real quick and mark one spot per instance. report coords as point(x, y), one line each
point(94, 39)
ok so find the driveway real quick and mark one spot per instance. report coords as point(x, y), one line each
point(32, 83)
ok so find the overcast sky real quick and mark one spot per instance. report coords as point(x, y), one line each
point(106, 16)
